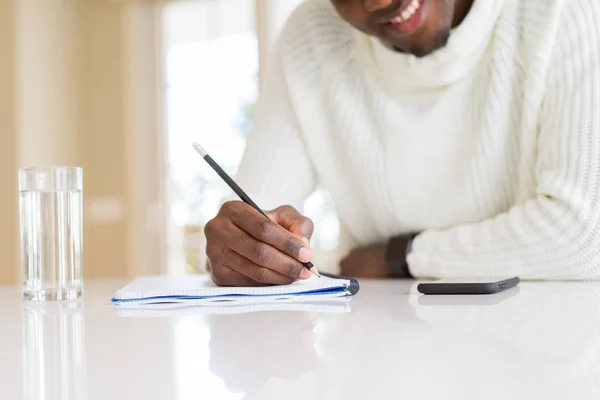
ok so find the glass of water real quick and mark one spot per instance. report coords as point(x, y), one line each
point(51, 232)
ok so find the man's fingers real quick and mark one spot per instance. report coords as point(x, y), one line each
point(266, 231)
point(223, 276)
point(255, 272)
point(263, 254)
point(290, 219)
point(246, 249)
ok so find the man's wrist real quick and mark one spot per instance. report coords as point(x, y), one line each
point(396, 255)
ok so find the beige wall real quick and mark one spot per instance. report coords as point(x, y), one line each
point(47, 86)
point(145, 132)
point(68, 96)
point(8, 148)
point(103, 154)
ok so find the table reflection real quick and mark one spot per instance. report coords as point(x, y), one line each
point(246, 350)
point(190, 309)
point(540, 341)
point(536, 341)
point(553, 327)
point(53, 351)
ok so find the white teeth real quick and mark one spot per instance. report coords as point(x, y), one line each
point(407, 12)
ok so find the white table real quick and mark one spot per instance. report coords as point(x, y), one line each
point(539, 341)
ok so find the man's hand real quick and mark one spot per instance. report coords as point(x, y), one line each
point(246, 249)
point(366, 262)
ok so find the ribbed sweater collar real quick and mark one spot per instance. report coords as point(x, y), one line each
point(466, 47)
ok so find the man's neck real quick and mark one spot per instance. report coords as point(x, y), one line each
point(461, 9)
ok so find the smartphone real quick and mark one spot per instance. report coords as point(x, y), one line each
point(459, 300)
point(468, 286)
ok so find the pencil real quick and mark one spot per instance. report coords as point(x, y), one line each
point(241, 194)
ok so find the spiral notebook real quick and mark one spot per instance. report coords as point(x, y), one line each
point(199, 289)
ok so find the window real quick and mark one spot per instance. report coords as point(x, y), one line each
point(212, 71)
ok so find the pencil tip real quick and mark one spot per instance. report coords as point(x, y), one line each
point(314, 271)
point(199, 149)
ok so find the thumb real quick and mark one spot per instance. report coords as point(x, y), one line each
point(289, 218)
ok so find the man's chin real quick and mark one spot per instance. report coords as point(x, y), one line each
point(439, 41)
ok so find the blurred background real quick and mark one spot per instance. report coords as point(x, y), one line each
point(122, 88)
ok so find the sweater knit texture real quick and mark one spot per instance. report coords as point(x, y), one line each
point(490, 146)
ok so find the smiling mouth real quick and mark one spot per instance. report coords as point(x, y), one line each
point(408, 18)
point(405, 14)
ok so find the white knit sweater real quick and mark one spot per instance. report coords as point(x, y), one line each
point(490, 147)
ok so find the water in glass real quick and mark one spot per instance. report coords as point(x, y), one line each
point(51, 237)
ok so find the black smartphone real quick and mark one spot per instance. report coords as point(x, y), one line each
point(458, 300)
point(468, 286)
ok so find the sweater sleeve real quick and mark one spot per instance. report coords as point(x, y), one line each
point(275, 169)
point(556, 234)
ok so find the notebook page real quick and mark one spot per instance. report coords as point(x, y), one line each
point(146, 287)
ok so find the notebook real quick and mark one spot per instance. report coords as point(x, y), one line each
point(199, 289)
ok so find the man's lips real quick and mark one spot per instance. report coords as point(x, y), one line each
point(407, 18)
point(403, 6)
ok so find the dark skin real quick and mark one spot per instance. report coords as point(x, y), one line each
point(369, 17)
point(246, 249)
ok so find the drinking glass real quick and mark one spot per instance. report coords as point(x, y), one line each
point(51, 232)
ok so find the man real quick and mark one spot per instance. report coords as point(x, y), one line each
point(458, 138)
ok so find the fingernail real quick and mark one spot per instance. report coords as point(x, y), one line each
point(305, 274)
point(305, 254)
point(306, 240)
